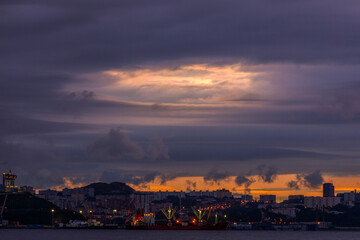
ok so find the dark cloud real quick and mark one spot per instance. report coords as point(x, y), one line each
point(214, 151)
point(115, 144)
point(267, 174)
point(86, 103)
point(84, 95)
point(246, 181)
point(44, 178)
point(293, 184)
point(164, 178)
point(13, 124)
point(157, 149)
point(64, 34)
point(126, 176)
point(190, 185)
point(137, 177)
point(216, 176)
point(311, 180)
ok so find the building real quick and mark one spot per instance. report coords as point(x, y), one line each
point(246, 198)
point(74, 199)
point(28, 189)
point(296, 197)
point(320, 202)
point(328, 190)
point(9, 182)
point(219, 194)
point(223, 193)
point(268, 198)
point(289, 212)
point(348, 198)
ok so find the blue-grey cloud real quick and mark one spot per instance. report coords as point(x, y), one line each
point(267, 174)
point(244, 181)
point(216, 176)
point(311, 180)
point(115, 144)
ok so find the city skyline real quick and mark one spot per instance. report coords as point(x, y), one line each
point(276, 187)
point(243, 95)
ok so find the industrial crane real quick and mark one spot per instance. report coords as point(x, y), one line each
point(3, 205)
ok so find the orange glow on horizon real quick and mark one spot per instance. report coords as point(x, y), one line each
point(278, 187)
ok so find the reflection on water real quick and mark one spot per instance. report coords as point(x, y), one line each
point(56, 234)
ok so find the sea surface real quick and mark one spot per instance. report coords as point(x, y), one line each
point(57, 234)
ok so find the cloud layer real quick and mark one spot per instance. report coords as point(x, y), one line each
point(199, 88)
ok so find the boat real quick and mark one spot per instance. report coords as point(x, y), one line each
point(181, 221)
point(219, 226)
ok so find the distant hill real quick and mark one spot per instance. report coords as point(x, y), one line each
point(29, 209)
point(114, 188)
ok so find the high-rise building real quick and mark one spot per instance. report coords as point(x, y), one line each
point(328, 190)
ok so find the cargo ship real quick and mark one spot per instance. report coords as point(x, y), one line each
point(219, 226)
point(176, 221)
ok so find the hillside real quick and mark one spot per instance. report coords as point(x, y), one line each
point(29, 209)
point(114, 188)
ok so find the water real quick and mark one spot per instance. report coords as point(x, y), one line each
point(55, 234)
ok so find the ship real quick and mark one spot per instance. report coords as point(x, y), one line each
point(219, 226)
point(181, 221)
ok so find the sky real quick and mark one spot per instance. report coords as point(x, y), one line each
point(254, 96)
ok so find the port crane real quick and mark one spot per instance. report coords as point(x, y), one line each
point(3, 206)
point(199, 214)
point(169, 214)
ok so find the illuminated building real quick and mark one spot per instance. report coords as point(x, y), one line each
point(328, 190)
point(9, 182)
